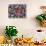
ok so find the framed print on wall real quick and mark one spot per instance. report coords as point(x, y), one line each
point(17, 10)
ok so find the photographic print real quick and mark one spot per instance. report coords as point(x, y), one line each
point(17, 10)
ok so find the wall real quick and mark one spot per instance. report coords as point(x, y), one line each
point(26, 26)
